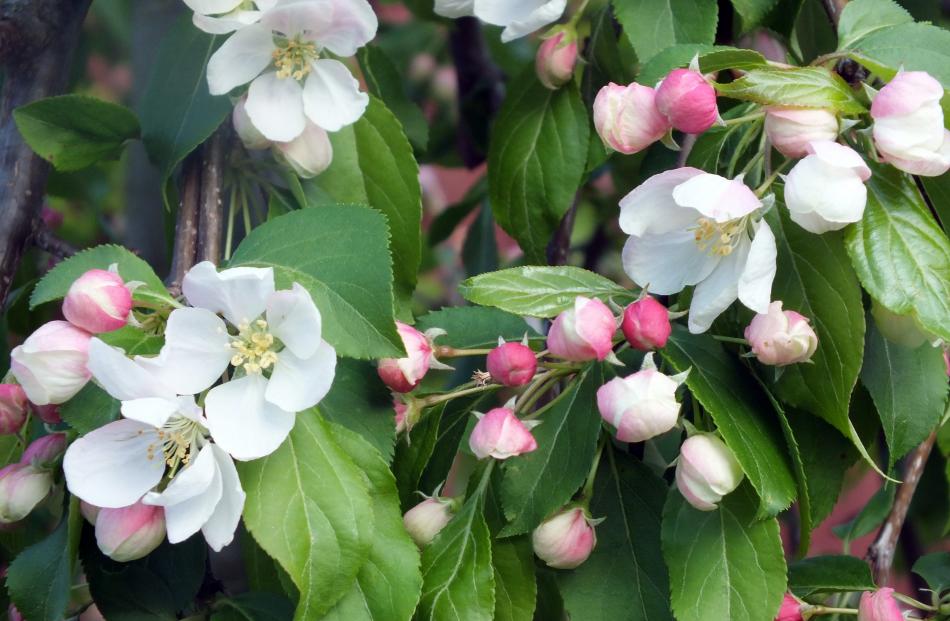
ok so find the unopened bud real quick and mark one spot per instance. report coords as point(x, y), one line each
point(706, 471)
point(424, 521)
point(556, 59)
point(131, 532)
point(791, 129)
point(687, 101)
point(584, 332)
point(626, 117)
point(22, 487)
point(51, 364)
point(779, 338)
point(879, 605)
point(98, 301)
point(825, 191)
point(250, 136)
point(46, 451)
point(13, 614)
point(49, 414)
point(309, 154)
point(908, 125)
point(13, 408)
point(89, 511)
point(646, 324)
point(565, 540)
point(404, 374)
point(790, 610)
point(501, 434)
point(641, 406)
point(512, 364)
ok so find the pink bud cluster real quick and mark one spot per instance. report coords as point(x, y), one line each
point(26, 483)
point(780, 338)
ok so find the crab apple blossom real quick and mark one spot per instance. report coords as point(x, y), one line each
point(626, 118)
point(512, 364)
point(688, 227)
point(908, 124)
point(13, 408)
point(130, 533)
point(51, 364)
point(280, 55)
point(500, 434)
point(640, 406)
point(565, 540)
point(98, 301)
point(706, 470)
point(879, 605)
point(825, 191)
point(556, 60)
point(780, 338)
point(224, 16)
point(790, 610)
point(585, 332)
point(404, 374)
point(518, 18)
point(646, 324)
point(687, 101)
point(791, 129)
point(309, 154)
point(424, 521)
point(22, 487)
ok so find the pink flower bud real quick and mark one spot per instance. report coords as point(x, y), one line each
point(91, 614)
point(424, 521)
point(500, 434)
point(825, 191)
point(131, 532)
point(13, 614)
point(791, 129)
point(400, 408)
point(404, 374)
point(781, 337)
point(250, 136)
point(790, 610)
point(641, 406)
point(646, 324)
point(626, 117)
point(555, 61)
point(13, 408)
point(22, 487)
point(879, 606)
point(706, 471)
point(98, 302)
point(45, 451)
point(51, 364)
point(51, 218)
point(585, 332)
point(512, 364)
point(89, 512)
point(908, 124)
point(49, 414)
point(687, 101)
point(309, 154)
point(565, 540)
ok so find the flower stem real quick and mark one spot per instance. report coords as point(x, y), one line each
point(431, 400)
point(762, 189)
point(450, 352)
point(910, 601)
point(542, 383)
point(587, 492)
point(739, 120)
point(824, 58)
point(730, 339)
point(815, 611)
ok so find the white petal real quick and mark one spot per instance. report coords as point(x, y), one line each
point(224, 24)
point(109, 467)
point(195, 354)
point(720, 289)
point(455, 8)
point(354, 25)
point(240, 59)
point(220, 527)
point(331, 96)
point(650, 207)
point(296, 17)
point(122, 377)
point(300, 383)
point(667, 262)
point(294, 319)
point(265, 5)
point(212, 7)
point(755, 283)
point(191, 497)
point(243, 422)
point(275, 107)
point(152, 411)
point(239, 293)
point(547, 13)
point(717, 197)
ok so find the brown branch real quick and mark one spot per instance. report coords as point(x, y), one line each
point(560, 245)
point(186, 228)
point(881, 553)
point(37, 39)
point(211, 210)
point(45, 240)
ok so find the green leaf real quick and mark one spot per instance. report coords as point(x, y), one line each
point(154, 588)
point(935, 569)
point(133, 341)
point(253, 607)
point(712, 58)
point(899, 252)
point(91, 408)
point(536, 161)
point(909, 388)
point(538, 483)
point(338, 252)
point(808, 87)
point(373, 164)
point(539, 291)
point(752, 12)
point(359, 401)
point(829, 574)
point(56, 282)
point(740, 411)
point(308, 506)
point(654, 25)
point(384, 81)
point(938, 191)
point(515, 588)
point(813, 278)
point(723, 564)
point(458, 582)
point(480, 250)
point(74, 131)
point(915, 47)
point(475, 327)
point(861, 18)
point(177, 111)
point(625, 578)
point(871, 516)
point(387, 586)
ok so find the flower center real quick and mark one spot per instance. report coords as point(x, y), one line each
point(719, 238)
point(178, 442)
point(254, 347)
point(293, 58)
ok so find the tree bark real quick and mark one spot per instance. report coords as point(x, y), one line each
point(37, 40)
